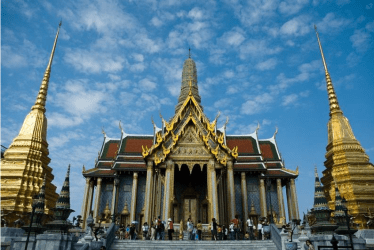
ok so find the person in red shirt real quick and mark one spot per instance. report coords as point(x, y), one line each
point(170, 229)
point(236, 226)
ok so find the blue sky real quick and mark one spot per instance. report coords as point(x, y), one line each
point(257, 62)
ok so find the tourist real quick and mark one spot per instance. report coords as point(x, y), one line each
point(219, 232)
point(190, 229)
point(214, 229)
point(163, 230)
point(127, 235)
point(194, 233)
point(232, 231)
point(132, 232)
point(226, 232)
point(250, 228)
point(199, 229)
point(153, 232)
point(259, 231)
point(170, 229)
point(145, 229)
point(158, 228)
point(122, 232)
point(309, 245)
point(236, 227)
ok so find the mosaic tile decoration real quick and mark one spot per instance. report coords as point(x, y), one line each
point(106, 195)
point(238, 196)
point(125, 194)
point(253, 192)
point(141, 194)
point(274, 198)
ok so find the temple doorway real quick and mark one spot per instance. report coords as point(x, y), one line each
point(190, 194)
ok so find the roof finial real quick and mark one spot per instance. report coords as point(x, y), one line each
point(102, 131)
point(276, 131)
point(333, 100)
point(189, 52)
point(42, 96)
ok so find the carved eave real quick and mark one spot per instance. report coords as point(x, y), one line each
point(189, 112)
point(295, 173)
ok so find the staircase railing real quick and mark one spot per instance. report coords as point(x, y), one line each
point(110, 235)
point(275, 236)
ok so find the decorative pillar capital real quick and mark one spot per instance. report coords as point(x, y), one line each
point(229, 164)
point(116, 181)
point(88, 179)
point(169, 164)
point(135, 175)
point(99, 180)
point(149, 164)
point(262, 182)
point(279, 182)
point(292, 181)
point(211, 164)
point(243, 175)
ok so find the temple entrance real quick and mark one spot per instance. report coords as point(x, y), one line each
point(190, 194)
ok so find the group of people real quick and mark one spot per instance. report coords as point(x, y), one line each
point(156, 231)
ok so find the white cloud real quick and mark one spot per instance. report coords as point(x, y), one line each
point(197, 14)
point(258, 48)
point(290, 7)
point(90, 61)
point(369, 6)
point(235, 37)
point(155, 21)
point(267, 65)
point(257, 104)
point(297, 26)
point(147, 85)
point(289, 99)
point(63, 121)
point(361, 40)
point(331, 23)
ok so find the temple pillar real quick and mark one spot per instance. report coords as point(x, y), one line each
point(244, 198)
point(282, 214)
point(85, 201)
point(134, 196)
point(294, 199)
point(148, 193)
point(169, 189)
point(114, 196)
point(289, 201)
point(231, 190)
point(212, 191)
point(263, 198)
point(97, 199)
point(89, 199)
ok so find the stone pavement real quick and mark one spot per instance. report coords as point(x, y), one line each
point(187, 245)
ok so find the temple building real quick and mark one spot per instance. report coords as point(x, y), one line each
point(346, 163)
point(25, 162)
point(189, 168)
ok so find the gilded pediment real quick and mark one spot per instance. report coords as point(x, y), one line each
point(189, 126)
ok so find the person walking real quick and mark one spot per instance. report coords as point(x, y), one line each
point(250, 228)
point(226, 232)
point(170, 229)
point(236, 227)
point(232, 231)
point(132, 232)
point(158, 229)
point(153, 232)
point(199, 229)
point(259, 231)
point(219, 232)
point(145, 229)
point(214, 229)
point(190, 229)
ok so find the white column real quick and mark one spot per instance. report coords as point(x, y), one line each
point(168, 189)
point(294, 199)
point(263, 198)
point(289, 201)
point(212, 190)
point(134, 195)
point(231, 190)
point(97, 199)
point(85, 201)
point(280, 200)
point(114, 196)
point(148, 193)
point(244, 197)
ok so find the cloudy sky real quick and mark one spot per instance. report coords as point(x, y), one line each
point(257, 62)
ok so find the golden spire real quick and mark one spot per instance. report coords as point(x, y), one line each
point(42, 96)
point(333, 100)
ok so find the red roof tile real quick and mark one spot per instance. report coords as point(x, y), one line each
point(133, 144)
point(246, 144)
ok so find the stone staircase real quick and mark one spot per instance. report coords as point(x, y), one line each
point(185, 244)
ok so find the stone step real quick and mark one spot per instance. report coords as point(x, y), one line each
point(184, 245)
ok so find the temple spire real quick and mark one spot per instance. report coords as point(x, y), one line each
point(333, 100)
point(64, 197)
point(42, 96)
point(320, 202)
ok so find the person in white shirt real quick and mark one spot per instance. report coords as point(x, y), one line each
point(259, 230)
point(250, 228)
